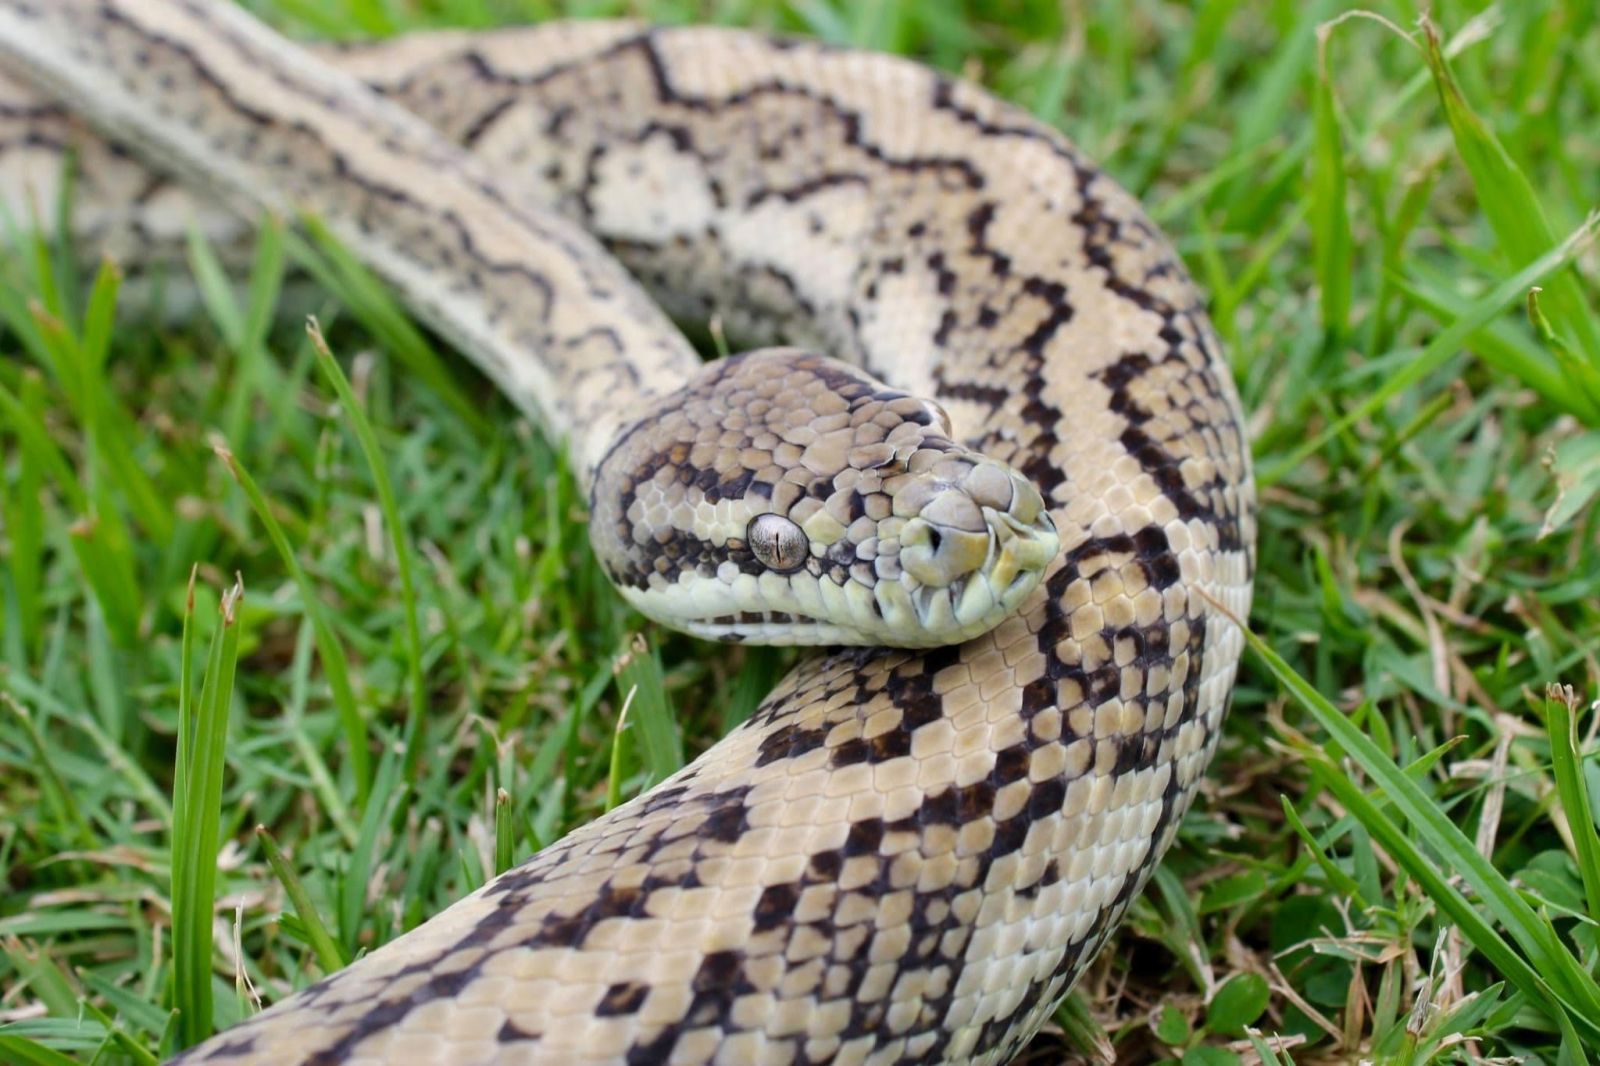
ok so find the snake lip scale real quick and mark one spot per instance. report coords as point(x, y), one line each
point(903, 855)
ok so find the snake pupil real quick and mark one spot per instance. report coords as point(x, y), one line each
point(778, 544)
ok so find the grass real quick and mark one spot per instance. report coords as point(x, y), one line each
point(1396, 854)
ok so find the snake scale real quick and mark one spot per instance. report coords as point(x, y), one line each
point(903, 855)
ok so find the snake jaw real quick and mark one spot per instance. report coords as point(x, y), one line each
point(901, 608)
point(955, 569)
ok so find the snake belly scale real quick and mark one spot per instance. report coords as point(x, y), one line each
point(902, 856)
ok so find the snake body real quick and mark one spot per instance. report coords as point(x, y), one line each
point(902, 856)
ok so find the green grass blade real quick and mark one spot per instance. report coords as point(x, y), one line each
point(639, 672)
point(333, 800)
point(1447, 344)
point(103, 417)
point(1499, 344)
point(116, 1035)
point(266, 283)
point(1262, 115)
point(100, 544)
point(1330, 222)
point(616, 767)
point(1548, 957)
point(1341, 881)
point(1582, 377)
point(98, 540)
point(100, 316)
point(343, 275)
point(329, 955)
point(114, 756)
point(1264, 1052)
point(1508, 202)
point(1566, 757)
point(215, 289)
point(42, 975)
point(504, 831)
point(1445, 896)
point(243, 329)
point(399, 542)
point(25, 525)
point(1082, 1031)
point(334, 665)
point(198, 828)
point(388, 789)
point(183, 882)
point(35, 441)
point(57, 794)
point(25, 1052)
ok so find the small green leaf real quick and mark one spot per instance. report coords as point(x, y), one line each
point(1171, 1026)
point(1238, 1003)
point(1552, 878)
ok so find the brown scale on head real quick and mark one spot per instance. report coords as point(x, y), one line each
point(783, 497)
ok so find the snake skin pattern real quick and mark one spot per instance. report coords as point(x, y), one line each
point(902, 856)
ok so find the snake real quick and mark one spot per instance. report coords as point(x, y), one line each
point(918, 841)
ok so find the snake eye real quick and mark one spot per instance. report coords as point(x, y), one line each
point(778, 543)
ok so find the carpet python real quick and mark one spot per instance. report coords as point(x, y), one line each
point(903, 855)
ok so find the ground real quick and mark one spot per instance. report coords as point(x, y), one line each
point(1394, 858)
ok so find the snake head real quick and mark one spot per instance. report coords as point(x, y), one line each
point(783, 497)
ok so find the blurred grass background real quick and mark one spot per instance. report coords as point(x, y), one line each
point(1396, 856)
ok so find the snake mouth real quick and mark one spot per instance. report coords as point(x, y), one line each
point(945, 585)
point(902, 611)
point(748, 626)
point(951, 573)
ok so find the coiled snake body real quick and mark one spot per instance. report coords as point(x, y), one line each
point(902, 855)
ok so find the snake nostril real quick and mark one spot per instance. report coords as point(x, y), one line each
point(934, 540)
